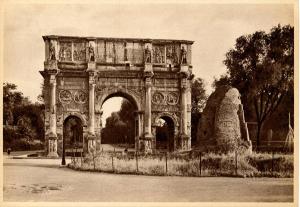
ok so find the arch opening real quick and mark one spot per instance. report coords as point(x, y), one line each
point(165, 133)
point(119, 122)
point(72, 134)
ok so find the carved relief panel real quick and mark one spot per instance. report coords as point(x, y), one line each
point(79, 51)
point(100, 51)
point(158, 53)
point(72, 95)
point(172, 54)
point(165, 101)
point(65, 51)
point(120, 52)
point(110, 52)
point(135, 52)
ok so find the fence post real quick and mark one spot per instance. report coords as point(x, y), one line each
point(272, 162)
point(236, 162)
point(200, 160)
point(81, 160)
point(136, 161)
point(112, 163)
point(166, 162)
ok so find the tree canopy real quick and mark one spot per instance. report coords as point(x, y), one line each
point(261, 67)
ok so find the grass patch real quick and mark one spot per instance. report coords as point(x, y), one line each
point(211, 164)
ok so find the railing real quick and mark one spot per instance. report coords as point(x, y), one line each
point(189, 164)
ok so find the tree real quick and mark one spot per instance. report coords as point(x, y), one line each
point(11, 99)
point(199, 98)
point(120, 126)
point(261, 67)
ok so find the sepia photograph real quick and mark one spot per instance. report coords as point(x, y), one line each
point(149, 103)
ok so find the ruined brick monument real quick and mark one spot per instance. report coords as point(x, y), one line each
point(81, 73)
point(222, 126)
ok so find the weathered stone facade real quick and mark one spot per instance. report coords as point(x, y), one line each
point(81, 73)
point(222, 126)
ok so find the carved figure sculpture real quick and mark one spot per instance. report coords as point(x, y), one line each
point(52, 52)
point(91, 54)
point(183, 56)
point(147, 55)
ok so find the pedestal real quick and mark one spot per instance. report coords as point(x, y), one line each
point(185, 142)
point(91, 66)
point(146, 143)
point(148, 67)
point(52, 147)
point(184, 68)
point(91, 144)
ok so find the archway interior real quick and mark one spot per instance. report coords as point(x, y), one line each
point(165, 132)
point(119, 121)
point(73, 133)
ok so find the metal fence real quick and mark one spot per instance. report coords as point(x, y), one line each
point(188, 164)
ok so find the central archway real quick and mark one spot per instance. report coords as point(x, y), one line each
point(123, 127)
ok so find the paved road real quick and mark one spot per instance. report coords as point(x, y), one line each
point(46, 180)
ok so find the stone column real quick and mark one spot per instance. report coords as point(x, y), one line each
point(148, 107)
point(52, 136)
point(147, 139)
point(91, 126)
point(184, 109)
point(185, 138)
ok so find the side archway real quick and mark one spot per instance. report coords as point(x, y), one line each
point(165, 132)
point(72, 134)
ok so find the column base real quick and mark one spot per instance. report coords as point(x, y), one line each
point(52, 155)
point(52, 146)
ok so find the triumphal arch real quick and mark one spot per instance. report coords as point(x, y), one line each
point(81, 73)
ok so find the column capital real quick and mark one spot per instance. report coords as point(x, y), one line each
point(184, 84)
point(91, 78)
point(52, 80)
point(148, 82)
point(91, 72)
point(148, 74)
point(51, 135)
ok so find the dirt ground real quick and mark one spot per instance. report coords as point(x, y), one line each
point(46, 180)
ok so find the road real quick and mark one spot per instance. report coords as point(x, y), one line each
point(46, 180)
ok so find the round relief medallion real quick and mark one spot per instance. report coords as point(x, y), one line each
point(65, 96)
point(172, 98)
point(80, 97)
point(158, 98)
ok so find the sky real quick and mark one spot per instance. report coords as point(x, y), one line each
point(213, 27)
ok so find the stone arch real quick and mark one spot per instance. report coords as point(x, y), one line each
point(119, 92)
point(167, 114)
point(75, 114)
point(165, 136)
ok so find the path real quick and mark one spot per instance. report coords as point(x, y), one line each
point(46, 180)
